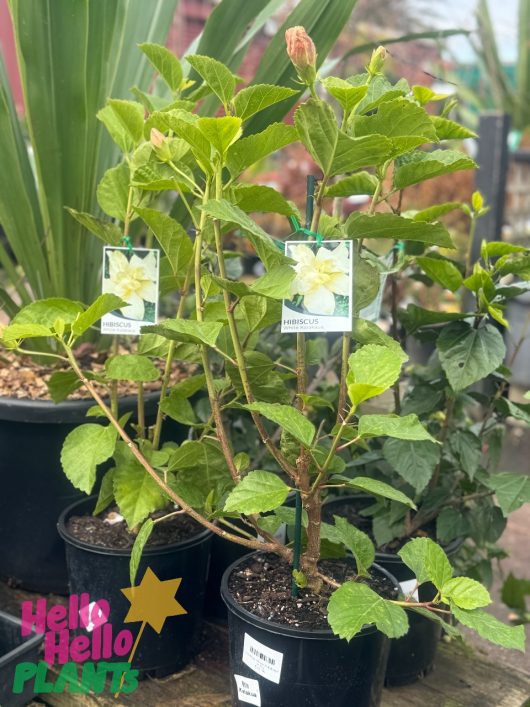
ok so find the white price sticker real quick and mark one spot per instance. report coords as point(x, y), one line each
point(408, 586)
point(262, 660)
point(248, 690)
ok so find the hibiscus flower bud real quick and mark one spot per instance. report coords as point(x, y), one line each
point(160, 145)
point(302, 52)
point(377, 60)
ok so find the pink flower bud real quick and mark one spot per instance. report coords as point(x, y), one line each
point(160, 145)
point(302, 52)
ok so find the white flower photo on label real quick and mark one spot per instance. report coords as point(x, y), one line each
point(133, 276)
point(322, 288)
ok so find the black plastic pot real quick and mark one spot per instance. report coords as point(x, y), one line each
point(412, 656)
point(35, 489)
point(225, 553)
point(300, 668)
point(15, 649)
point(102, 573)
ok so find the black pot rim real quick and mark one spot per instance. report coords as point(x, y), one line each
point(273, 627)
point(30, 642)
point(48, 412)
point(122, 552)
point(449, 549)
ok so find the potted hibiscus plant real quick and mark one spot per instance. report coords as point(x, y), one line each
point(456, 485)
point(290, 606)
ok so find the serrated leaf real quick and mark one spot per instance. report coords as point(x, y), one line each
point(262, 242)
point(136, 492)
point(515, 410)
point(333, 150)
point(255, 197)
point(347, 95)
point(449, 130)
point(15, 332)
point(433, 213)
point(172, 237)
point(406, 427)
point(253, 99)
point(365, 332)
point(514, 265)
point(427, 165)
point(132, 367)
point(276, 283)
point(379, 488)
point(216, 75)
point(288, 418)
point(357, 542)
point(511, 490)
point(414, 461)
point(130, 115)
point(395, 227)
point(379, 90)
point(109, 233)
point(165, 62)
point(113, 191)
point(258, 492)
point(61, 384)
point(354, 605)
point(178, 408)
point(424, 95)
point(427, 560)
point(116, 129)
point(138, 548)
point(467, 447)
point(360, 183)
point(366, 283)
point(220, 132)
point(187, 331)
point(414, 317)
point(491, 628)
point(106, 492)
point(45, 312)
point(467, 354)
point(441, 271)
point(465, 593)
point(372, 369)
point(406, 124)
point(249, 150)
point(102, 305)
point(83, 449)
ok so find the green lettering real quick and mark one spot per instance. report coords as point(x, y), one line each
point(23, 672)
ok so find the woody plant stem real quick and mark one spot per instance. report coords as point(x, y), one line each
point(246, 542)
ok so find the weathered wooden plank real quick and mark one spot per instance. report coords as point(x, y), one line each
point(462, 678)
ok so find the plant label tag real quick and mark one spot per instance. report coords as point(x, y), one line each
point(322, 298)
point(262, 660)
point(408, 586)
point(248, 690)
point(133, 275)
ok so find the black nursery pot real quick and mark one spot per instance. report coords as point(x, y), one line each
point(225, 553)
point(35, 489)
point(412, 656)
point(102, 573)
point(15, 649)
point(279, 666)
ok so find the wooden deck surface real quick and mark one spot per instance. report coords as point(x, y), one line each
point(462, 678)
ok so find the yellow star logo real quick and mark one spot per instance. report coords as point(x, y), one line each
point(152, 601)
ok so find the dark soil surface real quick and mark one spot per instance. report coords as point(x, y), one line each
point(262, 586)
point(97, 530)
